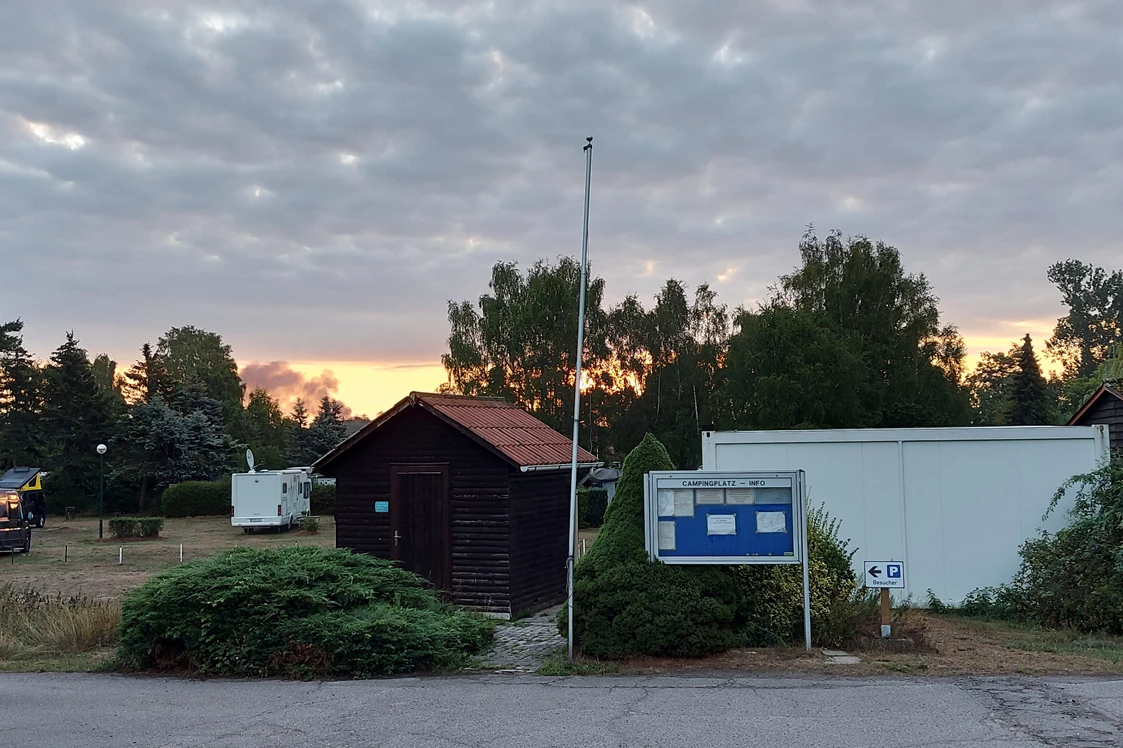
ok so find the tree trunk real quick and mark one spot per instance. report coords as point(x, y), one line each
point(143, 495)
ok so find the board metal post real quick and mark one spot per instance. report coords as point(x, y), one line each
point(806, 564)
point(886, 615)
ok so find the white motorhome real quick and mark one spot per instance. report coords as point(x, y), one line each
point(953, 504)
point(275, 499)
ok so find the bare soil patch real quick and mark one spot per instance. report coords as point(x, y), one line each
point(943, 646)
point(67, 558)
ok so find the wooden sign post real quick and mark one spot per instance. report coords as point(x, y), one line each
point(885, 576)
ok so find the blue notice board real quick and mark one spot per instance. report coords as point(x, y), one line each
point(695, 517)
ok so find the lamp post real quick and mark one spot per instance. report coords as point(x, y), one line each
point(101, 450)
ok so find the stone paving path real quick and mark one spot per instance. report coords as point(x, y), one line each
point(522, 646)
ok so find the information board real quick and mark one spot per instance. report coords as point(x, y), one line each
point(694, 517)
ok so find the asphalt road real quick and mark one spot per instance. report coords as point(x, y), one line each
point(96, 711)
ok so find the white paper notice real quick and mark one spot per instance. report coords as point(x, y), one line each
point(721, 524)
point(739, 496)
point(771, 522)
point(684, 503)
point(666, 503)
point(709, 496)
point(666, 536)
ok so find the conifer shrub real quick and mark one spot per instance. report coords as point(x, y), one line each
point(294, 612)
point(629, 605)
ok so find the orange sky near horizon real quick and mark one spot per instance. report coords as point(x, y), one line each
point(371, 387)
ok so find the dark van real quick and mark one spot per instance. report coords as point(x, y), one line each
point(15, 530)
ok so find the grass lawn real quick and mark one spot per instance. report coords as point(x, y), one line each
point(67, 558)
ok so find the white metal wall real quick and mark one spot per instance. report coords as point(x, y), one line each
point(954, 504)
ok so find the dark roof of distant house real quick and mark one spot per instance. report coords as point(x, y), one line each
point(17, 477)
point(1105, 390)
point(500, 426)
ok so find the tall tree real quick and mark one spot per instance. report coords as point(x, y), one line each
point(157, 446)
point(859, 290)
point(297, 424)
point(77, 416)
point(672, 356)
point(147, 379)
point(991, 384)
point(786, 369)
point(266, 432)
point(1083, 338)
point(21, 384)
point(191, 355)
point(1029, 394)
point(327, 430)
point(522, 342)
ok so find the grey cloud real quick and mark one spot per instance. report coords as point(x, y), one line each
point(315, 180)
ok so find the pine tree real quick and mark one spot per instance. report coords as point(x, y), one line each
point(147, 379)
point(326, 431)
point(1029, 394)
point(297, 425)
point(77, 416)
point(21, 441)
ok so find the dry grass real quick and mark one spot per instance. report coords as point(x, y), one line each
point(35, 626)
point(67, 558)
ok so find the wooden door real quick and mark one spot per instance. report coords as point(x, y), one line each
point(420, 522)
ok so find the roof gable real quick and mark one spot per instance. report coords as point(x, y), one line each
point(502, 427)
point(1105, 390)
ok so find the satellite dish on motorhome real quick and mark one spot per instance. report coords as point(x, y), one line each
point(249, 459)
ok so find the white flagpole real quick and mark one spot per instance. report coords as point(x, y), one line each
point(577, 398)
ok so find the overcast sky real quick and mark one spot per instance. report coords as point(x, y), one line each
point(314, 179)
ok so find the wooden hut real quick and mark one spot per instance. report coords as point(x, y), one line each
point(1105, 406)
point(470, 492)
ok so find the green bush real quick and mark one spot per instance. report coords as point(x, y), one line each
point(199, 498)
point(323, 499)
point(310, 524)
point(294, 612)
point(1075, 576)
point(629, 605)
point(771, 596)
point(136, 527)
point(592, 503)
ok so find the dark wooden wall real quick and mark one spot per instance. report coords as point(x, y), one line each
point(479, 489)
point(539, 539)
point(1107, 410)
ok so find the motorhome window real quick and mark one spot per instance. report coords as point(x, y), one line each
point(307, 489)
point(284, 488)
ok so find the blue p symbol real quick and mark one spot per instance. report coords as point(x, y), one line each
point(893, 571)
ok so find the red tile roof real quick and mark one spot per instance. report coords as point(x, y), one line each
point(499, 425)
point(519, 436)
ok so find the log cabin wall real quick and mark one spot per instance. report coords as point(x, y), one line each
point(479, 488)
point(539, 539)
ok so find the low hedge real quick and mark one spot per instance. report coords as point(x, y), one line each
point(294, 612)
point(136, 527)
point(197, 499)
point(323, 499)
